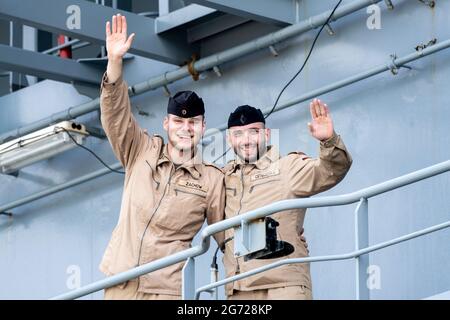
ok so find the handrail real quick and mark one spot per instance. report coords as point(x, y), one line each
point(256, 214)
point(343, 256)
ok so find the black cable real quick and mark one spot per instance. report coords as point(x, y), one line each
point(92, 152)
point(298, 72)
point(222, 245)
point(226, 151)
point(306, 60)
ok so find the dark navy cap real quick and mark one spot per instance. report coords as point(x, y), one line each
point(186, 104)
point(244, 115)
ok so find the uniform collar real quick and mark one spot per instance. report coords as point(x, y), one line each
point(192, 166)
point(272, 154)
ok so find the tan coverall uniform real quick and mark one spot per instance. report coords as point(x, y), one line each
point(163, 206)
point(274, 178)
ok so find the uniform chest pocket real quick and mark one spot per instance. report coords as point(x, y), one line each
point(185, 212)
point(269, 184)
point(182, 191)
point(265, 180)
point(144, 187)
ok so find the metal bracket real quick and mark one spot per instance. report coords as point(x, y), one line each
point(142, 112)
point(191, 68)
point(329, 29)
point(273, 51)
point(430, 3)
point(96, 132)
point(217, 71)
point(389, 4)
point(394, 67)
point(166, 91)
point(14, 174)
point(249, 237)
point(245, 234)
point(422, 46)
point(9, 214)
point(131, 91)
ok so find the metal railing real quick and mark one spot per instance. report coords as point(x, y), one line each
point(362, 292)
point(361, 234)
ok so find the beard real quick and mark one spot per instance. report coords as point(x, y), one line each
point(260, 151)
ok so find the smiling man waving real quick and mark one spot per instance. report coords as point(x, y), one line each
point(168, 190)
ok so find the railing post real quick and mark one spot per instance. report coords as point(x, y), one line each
point(362, 241)
point(188, 280)
point(214, 278)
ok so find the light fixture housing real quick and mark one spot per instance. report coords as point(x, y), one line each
point(40, 145)
point(257, 239)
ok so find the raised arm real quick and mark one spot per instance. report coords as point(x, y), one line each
point(310, 176)
point(124, 134)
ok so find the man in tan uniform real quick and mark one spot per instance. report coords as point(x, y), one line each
point(260, 176)
point(168, 190)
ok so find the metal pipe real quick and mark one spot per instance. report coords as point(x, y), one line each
point(152, 14)
point(70, 113)
point(199, 66)
point(344, 256)
point(362, 241)
point(60, 187)
point(399, 62)
point(80, 45)
point(255, 214)
point(214, 278)
point(61, 46)
point(76, 47)
point(323, 90)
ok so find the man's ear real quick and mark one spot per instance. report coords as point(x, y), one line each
point(267, 133)
point(229, 139)
point(166, 123)
point(203, 126)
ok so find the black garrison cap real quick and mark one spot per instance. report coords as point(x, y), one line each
point(244, 115)
point(186, 104)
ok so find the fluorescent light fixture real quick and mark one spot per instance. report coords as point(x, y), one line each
point(40, 145)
